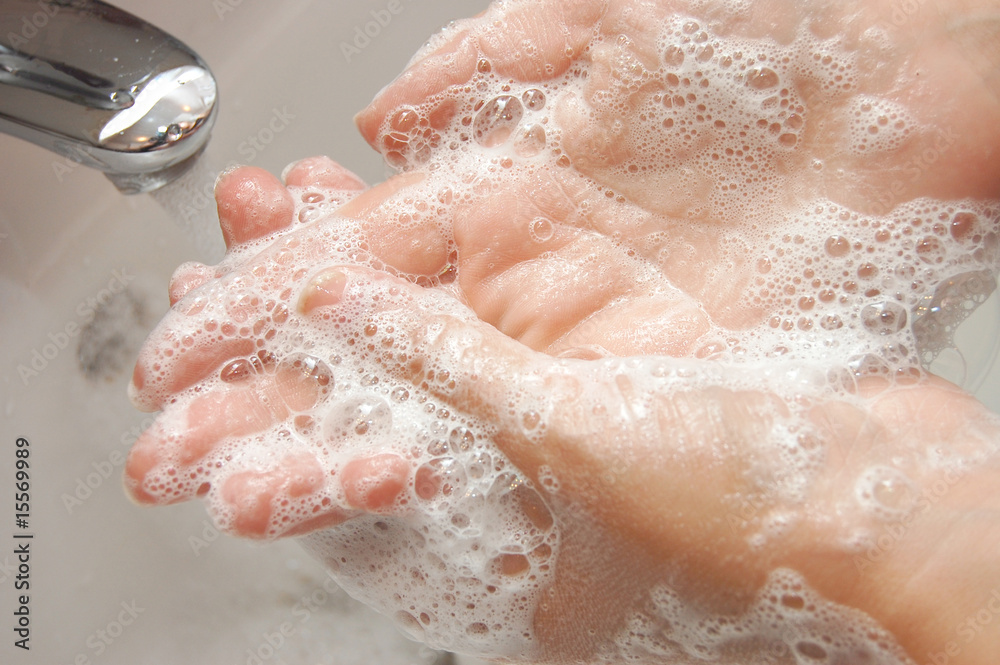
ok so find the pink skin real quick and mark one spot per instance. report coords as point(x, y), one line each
point(945, 565)
point(254, 204)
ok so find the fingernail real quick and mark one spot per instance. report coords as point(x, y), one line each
point(324, 290)
point(225, 173)
point(288, 169)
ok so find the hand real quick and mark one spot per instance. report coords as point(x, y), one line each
point(688, 450)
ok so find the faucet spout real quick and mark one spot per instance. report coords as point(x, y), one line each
point(103, 88)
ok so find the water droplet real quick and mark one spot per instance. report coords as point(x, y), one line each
point(122, 98)
point(236, 371)
point(310, 214)
point(410, 625)
point(305, 425)
point(867, 270)
point(930, 250)
point(673, 56)
point(831, 322)
point(404, 120)
point(540, 230)
point(762, 78)
point(363, 416)
point(478, 629)
point(534, 99)
point(837, 246)
point(888, 490)
point(529, 140)
point(444, 475)
point(173, 132)
point(302, 381)
point(461, 439)
point(884, 318)
point(481, 465)
point(496, 120)
point(962, 225)
point(811, 650)
point(793, 601)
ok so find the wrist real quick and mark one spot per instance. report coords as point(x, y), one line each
point(932, 581)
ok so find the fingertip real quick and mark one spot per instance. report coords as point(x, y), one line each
point(252, 203)
point(186, 278)
point(249, 494)
point(141, 460)
point(451, 62)
point(373, 484)
point(321, 171)
point(137, 393)
point(138, 380)
point(324, 290)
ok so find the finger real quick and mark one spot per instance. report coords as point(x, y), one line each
point(288, 499)
point(528, 42)
point(218, 322)
point(190, 431)
point(252, 204)
point(158, 376)
point(188, 277)
point(414, 247)
point(321, 172)
point(453, 62)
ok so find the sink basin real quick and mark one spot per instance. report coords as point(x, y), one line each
point(83, 274)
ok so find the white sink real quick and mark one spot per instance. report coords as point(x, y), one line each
point(111, 582)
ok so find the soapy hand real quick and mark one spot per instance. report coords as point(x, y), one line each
point(436, 357)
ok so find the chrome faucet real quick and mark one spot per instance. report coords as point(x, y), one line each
point(103, 88)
